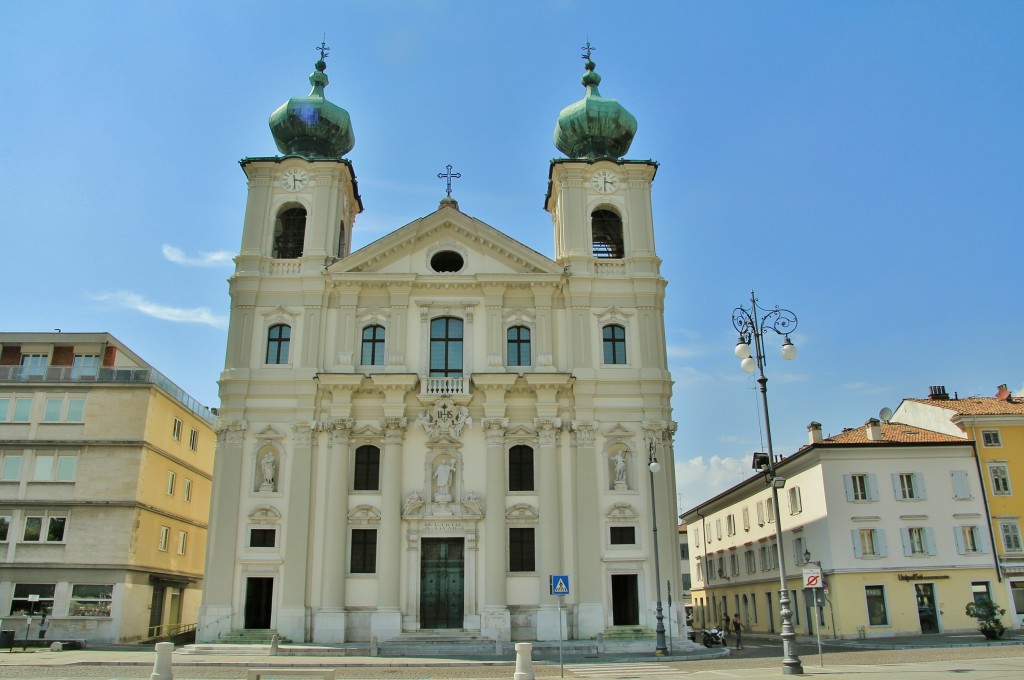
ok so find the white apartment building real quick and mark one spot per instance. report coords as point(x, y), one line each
point(894, 514)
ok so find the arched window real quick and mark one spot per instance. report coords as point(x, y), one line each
point(367, 469)
point(373, 346)
point(278, 337)
point(289, 233)
point(446, 347)
point(614, 338)
point(520, 468)
point(606, 229)
point(519, 346)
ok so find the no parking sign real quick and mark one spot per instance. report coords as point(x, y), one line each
point(812, 577)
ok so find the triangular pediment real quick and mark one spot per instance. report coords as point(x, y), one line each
point(618, 431)
point(367, 432)
point(408, 250)
point(270, 432)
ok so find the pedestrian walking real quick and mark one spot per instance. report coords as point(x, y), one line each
point(43, 626)
point(737, 628)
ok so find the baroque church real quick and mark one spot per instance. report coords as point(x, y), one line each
point(418, 435)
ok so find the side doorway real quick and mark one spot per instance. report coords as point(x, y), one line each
point(259, 602)
point(625, 600)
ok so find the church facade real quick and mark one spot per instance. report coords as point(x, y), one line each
point(417, 435)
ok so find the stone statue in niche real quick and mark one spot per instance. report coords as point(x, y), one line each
point(619, 460)
point(268, 464)
point(444, 474)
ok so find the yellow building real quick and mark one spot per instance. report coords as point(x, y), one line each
point(105, 480)
point(996, 425)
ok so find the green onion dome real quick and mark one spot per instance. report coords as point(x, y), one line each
point(311, 126)
point(594, 127)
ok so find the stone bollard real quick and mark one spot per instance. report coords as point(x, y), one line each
point(524, 661)
point(57, 647)
point(274, 642)
point(162, 665)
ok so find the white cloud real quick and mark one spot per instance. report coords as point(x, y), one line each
point(866, 388)
point(178, 256)
point(698, 479)
point(136, 302)
point(684, 351)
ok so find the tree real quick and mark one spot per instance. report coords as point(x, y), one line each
point(988, 614)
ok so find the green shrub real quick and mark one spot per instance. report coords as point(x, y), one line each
point(988, 614)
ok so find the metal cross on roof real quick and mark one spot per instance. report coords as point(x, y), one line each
point(588, 48)
point(450, 176)
point(324, 49)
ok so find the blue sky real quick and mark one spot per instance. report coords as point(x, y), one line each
point(858, 163)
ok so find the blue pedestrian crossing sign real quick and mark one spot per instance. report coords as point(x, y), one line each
point(560, 584)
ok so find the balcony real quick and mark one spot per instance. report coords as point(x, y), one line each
point(437, 386)
point(106, 375)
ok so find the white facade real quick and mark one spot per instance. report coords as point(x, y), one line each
point(885, 516)
point(419, 434)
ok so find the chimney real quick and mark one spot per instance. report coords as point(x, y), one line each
point(814, 432)
point(874, 429)
point(938, 393)
point(1003, 394)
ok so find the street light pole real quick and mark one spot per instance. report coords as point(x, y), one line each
point(782, 322)
point(653, 466)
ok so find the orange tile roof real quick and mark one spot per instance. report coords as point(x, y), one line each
point(978, 406)
point(892, 433)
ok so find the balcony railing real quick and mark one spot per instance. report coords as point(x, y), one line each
point(445, 386)
point(105, 374)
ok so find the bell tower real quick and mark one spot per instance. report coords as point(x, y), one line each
point(600, 203)
point(299, 215)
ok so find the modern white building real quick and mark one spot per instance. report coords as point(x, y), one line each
point(894, 514)
point(419, 434)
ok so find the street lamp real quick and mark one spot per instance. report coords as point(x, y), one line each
point(653, 466)
point(782, 322)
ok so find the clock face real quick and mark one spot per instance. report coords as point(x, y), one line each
point(605, 181)
point(294, 179)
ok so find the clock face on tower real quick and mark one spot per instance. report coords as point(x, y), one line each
point(294, 179)
point(605, 181)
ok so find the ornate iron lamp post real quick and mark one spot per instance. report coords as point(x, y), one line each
point(782, 322)
point(653, 466)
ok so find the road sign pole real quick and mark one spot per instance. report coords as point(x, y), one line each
point(561, 662)
point(817, 629)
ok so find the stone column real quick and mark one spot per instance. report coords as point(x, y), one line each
point(398, 320)
point(215, 614)
point(549, 543)
point(496, 623)
point(291, 617)
point(330, 620)
point(387, 620)
point(589, 538)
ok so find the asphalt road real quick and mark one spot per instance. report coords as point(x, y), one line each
point(759, 659)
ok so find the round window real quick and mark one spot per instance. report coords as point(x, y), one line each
point(446, 262)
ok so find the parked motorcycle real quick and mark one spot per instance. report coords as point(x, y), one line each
point(712, 637)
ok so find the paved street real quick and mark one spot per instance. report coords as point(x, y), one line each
point(761, 658)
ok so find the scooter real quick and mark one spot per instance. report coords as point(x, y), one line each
point(713, 637)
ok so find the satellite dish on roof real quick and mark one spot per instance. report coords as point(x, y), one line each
point(885, 415)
